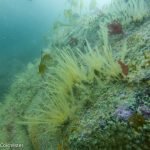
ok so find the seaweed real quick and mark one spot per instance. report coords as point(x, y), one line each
point(115, 28)
point(42, 68)
point(136, 121)
point(45, 59)
point(124, 67)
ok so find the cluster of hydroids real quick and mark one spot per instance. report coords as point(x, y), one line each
point(72, 68)
point(81, 93)
point(133, 11)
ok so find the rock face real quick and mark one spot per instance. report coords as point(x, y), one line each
point(83, 99)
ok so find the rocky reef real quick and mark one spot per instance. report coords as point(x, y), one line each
point(90, 90)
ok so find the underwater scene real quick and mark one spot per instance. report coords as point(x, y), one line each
point(75, 74)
